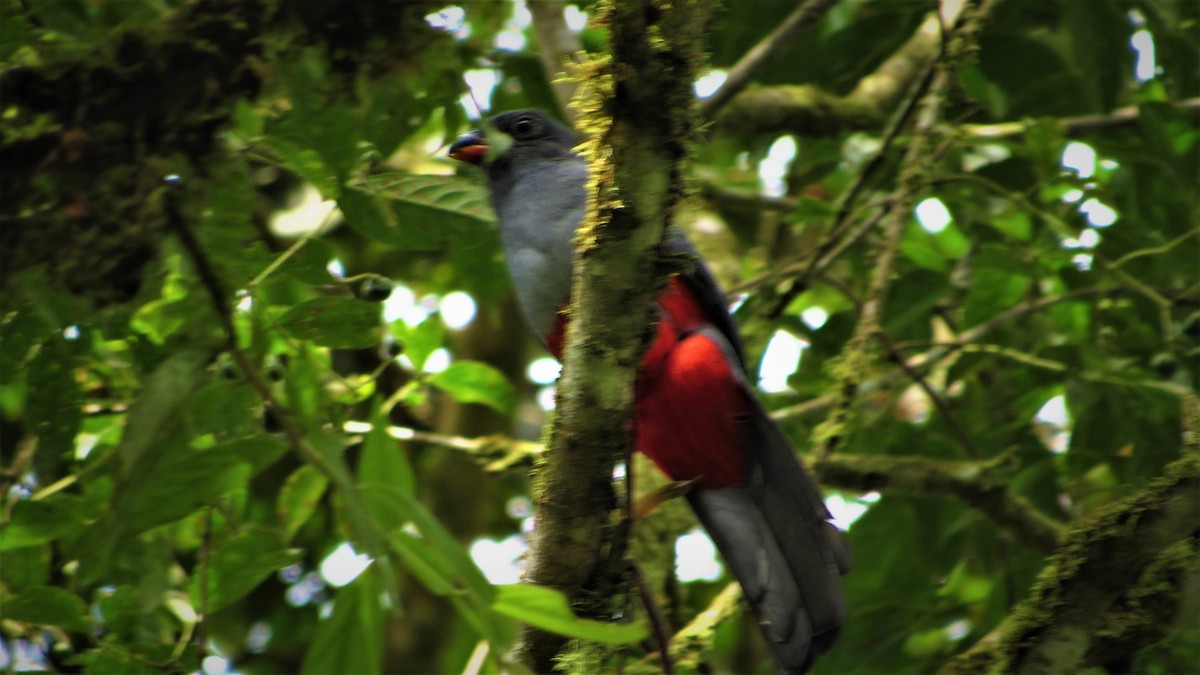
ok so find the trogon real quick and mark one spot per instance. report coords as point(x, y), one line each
point(696, 415)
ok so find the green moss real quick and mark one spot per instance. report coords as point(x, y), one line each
point(1101, 549)
point(579, 658)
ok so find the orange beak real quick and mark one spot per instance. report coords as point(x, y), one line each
point(470, 148)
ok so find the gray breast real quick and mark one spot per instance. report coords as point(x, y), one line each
point(537, 225)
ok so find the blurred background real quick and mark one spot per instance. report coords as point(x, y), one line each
point(347, 486)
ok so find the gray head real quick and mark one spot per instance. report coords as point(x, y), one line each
point(531, 134)
point(534, 133)
point(532, 137)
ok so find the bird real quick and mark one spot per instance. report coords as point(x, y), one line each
point(695, 412)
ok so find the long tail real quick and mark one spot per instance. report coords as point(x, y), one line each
point(775, 535)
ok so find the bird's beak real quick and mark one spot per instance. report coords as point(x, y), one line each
point(470, 148)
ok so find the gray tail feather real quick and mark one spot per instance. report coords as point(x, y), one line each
point(775, 535)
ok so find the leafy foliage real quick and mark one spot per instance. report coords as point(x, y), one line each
point(191, 431)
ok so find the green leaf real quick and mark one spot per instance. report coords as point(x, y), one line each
point(351, 639)
point(299, 498)
point(16, 33)
point(305, 163)
point(420, 340)
point(1091, 31)
point(933, 250)
point(48, 606)
point(927, 642)
point(341, 323)
point(226, 205)
point(121, 608)
point(225, 409)
point(37, 522)
point(447, 201)
point(999, 282)
point(25, 567)
point(394, 509)
point(112, 662)
point(809, 210)
point(258, 452)
point(548, 609)
point(534, 90)
point(1031, 74)
point(305, 381)
point(1016, 224)
point(19, 332)
point(179, 488)
point(394, 112)
point(423, 562)
point(54, 408)
point(374, 217)
point(476, 382)
point(417, 211)
point(239, 565)
point(320, 118)
point(308, 264)
point(156, 408)
point(383, 459)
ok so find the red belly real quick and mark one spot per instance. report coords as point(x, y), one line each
point(691, 410)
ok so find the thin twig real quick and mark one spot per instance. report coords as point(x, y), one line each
point(324, 225)
point(919, 378)
point(1059, 367)
point(698, 634)
point(662, 633)
point(1065, 230)
point(205, 562)
point(856, 354)
point(1074, 126)
point(1154, 250)
point(979, 484)
point(836, 244)
point(938, 351)
point(825, 258)
point(898, 121)
point(500, 452)
point(934, 395)
point(753, 61)
point(337, 475)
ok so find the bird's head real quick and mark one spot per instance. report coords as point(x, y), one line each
point(521, 134)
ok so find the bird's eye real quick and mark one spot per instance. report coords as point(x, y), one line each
point(525, 126)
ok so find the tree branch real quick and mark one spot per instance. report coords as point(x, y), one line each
point(365, 533)
point(1138, 617)
point(692, 642)
point(635, 158)
point(921, 363)
point(801, 109)
point(981, 485)
point(856, 355)
point(811, 111)
point(752, 63)
point(843, 235)
point(1148, 611)
point(1074, 127)
point(497, 453)
point(1094, 577)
